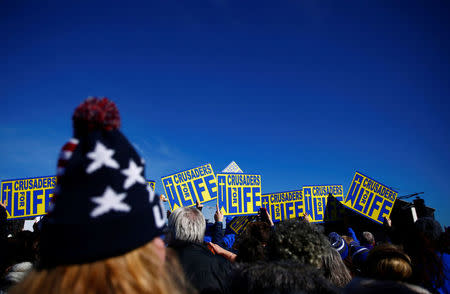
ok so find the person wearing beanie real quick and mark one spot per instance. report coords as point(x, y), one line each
point(358, 254)
point(338, 243)
point(101, 234)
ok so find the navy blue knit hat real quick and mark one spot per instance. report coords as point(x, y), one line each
point(338, 243)
point(359, 254)
point(103, 206)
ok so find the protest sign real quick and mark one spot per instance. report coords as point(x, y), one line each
point(152, 184)
point(284, 205)
point(370, 198)
point(28, 197)
point(239, 194)
point(316, 200)
point(187, 187)
point(239, 223)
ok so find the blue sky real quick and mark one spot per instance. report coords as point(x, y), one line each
point(303, 92)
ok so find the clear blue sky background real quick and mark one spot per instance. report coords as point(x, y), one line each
point(303, 92)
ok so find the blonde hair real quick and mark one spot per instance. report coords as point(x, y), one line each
point(138, 271)
point(389, 262)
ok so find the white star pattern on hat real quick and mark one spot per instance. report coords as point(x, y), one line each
point(133, 173)
point(110, 200)
point(101, 156)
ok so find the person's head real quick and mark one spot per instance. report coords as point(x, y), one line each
point(279, 277)
point(347, 239)
point(339, 244)
point(103, 206)
point(252, 242)
point(141, 270)
point(298, 240)
point(21, 247)
point(186, 224)
point(388, 262)
point(102, 228)
point(371, 286)
point(334, 268)
point(422, 245)
point(367, 239)
point(429, 228)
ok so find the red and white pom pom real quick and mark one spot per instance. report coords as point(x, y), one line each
point(96, 114)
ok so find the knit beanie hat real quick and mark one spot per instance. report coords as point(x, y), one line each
point(339, 244)
point(102, 206)
point(359, 253)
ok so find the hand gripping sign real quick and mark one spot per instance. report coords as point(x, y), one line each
point(317, 199)
point(187, 187)
point(28, 197)
point(239, 194)
point(284, 205)
point(370, 198)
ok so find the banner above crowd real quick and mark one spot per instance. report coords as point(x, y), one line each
point(316, 202)
point(284, 205)
point(239, 194)
point(27, 197)
point(236, 193)
point(187, 187)
point(370, 198)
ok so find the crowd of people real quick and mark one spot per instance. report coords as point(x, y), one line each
point(106, 232)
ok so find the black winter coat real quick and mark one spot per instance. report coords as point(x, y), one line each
point(207, 272)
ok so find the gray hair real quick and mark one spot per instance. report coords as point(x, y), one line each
point(368, 238)
point(187, 224)
point(334, 268)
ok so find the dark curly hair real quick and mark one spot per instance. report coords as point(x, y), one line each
point(279, 277)
point(298, 240)
point(252, 243)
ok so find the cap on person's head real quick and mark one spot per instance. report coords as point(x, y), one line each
point(359, 254)
point(338, 243)
point(103, 206)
